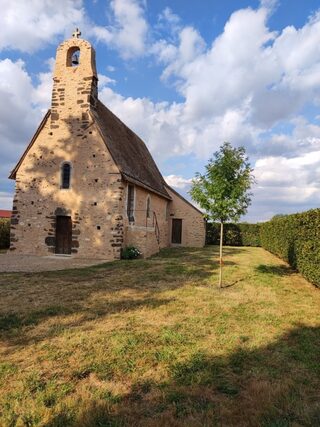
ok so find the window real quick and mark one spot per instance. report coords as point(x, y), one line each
point(130, 203)
point(65, 175)
point(73, 57)
point(148, 207)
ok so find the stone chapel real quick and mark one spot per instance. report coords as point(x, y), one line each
point(86, 185)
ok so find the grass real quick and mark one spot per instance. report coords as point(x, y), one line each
point(155, 343)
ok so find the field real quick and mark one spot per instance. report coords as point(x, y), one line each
point(156, 343)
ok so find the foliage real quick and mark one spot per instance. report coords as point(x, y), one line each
point(130, 252)
point(223, 191)
point(4, 233)
point(296, 239)
point(241, 234)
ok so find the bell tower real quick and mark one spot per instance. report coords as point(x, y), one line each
point(75, 82)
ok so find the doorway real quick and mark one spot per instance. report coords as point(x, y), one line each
point(63, 235)
point(176, 231)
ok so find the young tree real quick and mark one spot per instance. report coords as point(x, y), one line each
point(223, 191)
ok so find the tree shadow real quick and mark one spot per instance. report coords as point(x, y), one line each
point(274, 385)
point(277, 270)
point(90, 293)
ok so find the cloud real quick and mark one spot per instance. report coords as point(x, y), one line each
point(18, 116)
point(177, 181)
point(250, 86)
point(29, 25)
point(128, 29)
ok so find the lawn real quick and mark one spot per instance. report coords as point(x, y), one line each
point(155, 343)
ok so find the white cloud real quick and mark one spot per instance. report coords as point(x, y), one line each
point(177, 181)
point(128, 30)
point(105, 81)
point(29, 25)
point(236, 89)
point(22, 106)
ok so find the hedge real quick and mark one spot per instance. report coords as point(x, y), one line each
point(234, 234)
point(296, 239)
point(4, 233)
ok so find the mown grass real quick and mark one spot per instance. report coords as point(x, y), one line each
point(155, 343)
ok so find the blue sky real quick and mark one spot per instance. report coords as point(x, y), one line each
point(186, 76)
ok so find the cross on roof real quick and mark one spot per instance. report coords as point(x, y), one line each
point(76, 33)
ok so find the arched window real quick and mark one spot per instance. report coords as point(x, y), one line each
point(73, 57)
point(65, 175)
point(148, 207)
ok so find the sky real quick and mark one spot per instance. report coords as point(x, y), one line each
point(185, 76)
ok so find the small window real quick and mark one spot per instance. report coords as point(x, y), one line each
point(148, 207)
point(73, 57)
point(130, 203)
point(65, 175)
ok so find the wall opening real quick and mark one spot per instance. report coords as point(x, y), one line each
point(148, 207)
point(73, 57)
point(63, 235)
point(130, 203)
point(176, 233)
point(65, 175)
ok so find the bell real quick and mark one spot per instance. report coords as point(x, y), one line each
point(75, 59)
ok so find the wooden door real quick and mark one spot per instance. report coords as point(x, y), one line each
point(63, 235)
point(176, 231)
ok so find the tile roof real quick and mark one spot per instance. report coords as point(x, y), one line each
point(129, 151)
point(5, 213)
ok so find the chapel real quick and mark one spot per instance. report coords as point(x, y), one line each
point(87, 185)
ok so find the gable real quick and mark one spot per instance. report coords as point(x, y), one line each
point(183, 200)
point(49, 148)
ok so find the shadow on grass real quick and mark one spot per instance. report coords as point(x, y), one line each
point(276, 270)
point(13, 321)
point(274, 385)
point(92, 292)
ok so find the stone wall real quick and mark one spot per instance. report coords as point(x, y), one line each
point(142, 232)
point(193, 224)
point(94, 201)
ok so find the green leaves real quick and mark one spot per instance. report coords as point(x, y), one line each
point(223, 191)
point(295, 238)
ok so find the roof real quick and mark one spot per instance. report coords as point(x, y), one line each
point(5, 214)
point(129, 152)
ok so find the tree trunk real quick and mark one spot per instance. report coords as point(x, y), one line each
point(221, 243)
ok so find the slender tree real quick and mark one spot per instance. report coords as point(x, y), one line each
point(224, 190)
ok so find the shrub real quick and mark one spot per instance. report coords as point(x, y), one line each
point(296, 239)
point(4, 233)
point(234, 234)
point(130, 252)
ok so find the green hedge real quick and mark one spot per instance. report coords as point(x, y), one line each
point(234, 234)
point(296, 239)
point(4, 233)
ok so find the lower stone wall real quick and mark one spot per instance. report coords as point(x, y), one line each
point(143, 238)
point(193, 224)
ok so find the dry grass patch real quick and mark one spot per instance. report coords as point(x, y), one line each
point(154, 342)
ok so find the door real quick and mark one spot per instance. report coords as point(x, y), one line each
point(63, 235)
point(176, 231)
